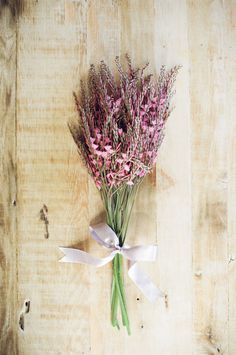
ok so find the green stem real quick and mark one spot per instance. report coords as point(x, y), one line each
point(118, 293)
point(114, 305)
point(122, 290)
point(119, 204)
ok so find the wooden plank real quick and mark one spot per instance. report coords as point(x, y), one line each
point(52, 182)
point(8, 243)
point(230, 112)
point(137, 37)
point(173, 323)
point(113, 29)
point(103, 44)
point(207, 35)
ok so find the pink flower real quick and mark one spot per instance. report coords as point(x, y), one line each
point(98, 184)
point(109, 149)
point(126, 167)
point(118, 102)
point(95, 146)
point(104, 154)
point(98, 136)
point(122, 122)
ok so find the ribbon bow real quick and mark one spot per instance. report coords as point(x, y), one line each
point(106, 237)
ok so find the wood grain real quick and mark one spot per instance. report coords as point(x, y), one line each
point(51, 58)
point(187, 205)
point(209, 173)
point(137, 39)
point(103, 34)
point(8, 239)
point(174, 189)
point(230, 113)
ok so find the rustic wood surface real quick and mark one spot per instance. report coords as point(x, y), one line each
point(47, 199)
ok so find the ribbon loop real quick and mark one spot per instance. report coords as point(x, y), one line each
point(106, 237)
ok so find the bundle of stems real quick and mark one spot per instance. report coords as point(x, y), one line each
point(118, 204)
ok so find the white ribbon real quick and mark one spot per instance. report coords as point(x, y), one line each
point(106, 237)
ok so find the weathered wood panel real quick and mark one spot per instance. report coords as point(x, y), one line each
point(8, 239)
point(103, 35)
point(187, 206)
point(207, 34)
point(230, 114)
point(174, 189)
point(137, 37)
point(51, 179)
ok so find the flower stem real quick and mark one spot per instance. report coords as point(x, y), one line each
point(125, 318)
point(118, 295)
point(119, 204)
point(114, 305)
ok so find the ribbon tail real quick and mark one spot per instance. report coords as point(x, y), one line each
point(80, 256)
point(143, 282)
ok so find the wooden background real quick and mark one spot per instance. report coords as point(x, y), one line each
point(188, 206)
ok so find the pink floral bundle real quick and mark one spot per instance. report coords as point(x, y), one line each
point(120, 129)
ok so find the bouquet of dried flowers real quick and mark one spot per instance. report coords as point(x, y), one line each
point(120, 129)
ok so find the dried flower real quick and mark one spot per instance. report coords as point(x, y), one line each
point(122, 122)
point(120, 129)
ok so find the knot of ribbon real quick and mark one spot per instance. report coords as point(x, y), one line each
point(106, 237)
